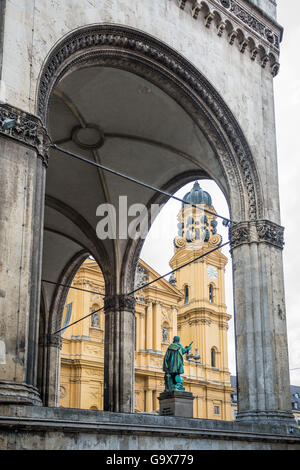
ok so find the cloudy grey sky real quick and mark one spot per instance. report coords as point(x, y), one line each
point(158, 247)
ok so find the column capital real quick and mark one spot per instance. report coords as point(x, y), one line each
point(258, 231)
point(119, 302)
point(28, 130)
point(54, 341)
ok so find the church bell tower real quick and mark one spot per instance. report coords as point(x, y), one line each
point(202, 316)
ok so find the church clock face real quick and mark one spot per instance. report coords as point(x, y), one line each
point(212, 272)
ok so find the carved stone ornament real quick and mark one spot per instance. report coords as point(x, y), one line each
point(120, 302)
point(238, 18)
point(141, 276)
point(261, 231)
point(249, 19)
point(28, 129)
point(137, 52)
point(271, 233)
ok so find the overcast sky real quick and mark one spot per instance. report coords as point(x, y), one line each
point(158, 247)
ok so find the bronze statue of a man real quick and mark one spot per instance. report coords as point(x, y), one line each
point(173, 365)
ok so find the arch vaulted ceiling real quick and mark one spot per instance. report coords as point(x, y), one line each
point(146, 135)
point(150, 115)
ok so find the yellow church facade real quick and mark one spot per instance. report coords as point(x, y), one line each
point(191, 305)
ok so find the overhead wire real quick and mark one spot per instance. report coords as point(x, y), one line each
point(226, 220)
point(143, 286)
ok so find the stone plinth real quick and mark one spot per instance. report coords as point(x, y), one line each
point(176, 403)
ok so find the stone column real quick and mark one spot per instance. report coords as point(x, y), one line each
point(263, 382)
point(119, 353)
point(23, 160)
point(149, 327)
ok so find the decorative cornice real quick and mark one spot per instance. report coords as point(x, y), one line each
point(260, 231)
point(243, 26)
point(28, 130)
point(121, 302)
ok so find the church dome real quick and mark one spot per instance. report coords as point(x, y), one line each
point(197, 196)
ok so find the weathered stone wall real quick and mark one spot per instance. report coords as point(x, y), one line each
point(59, 429)
point(33, 28)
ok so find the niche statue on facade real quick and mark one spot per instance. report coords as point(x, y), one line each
point(173, 365)
point(165, 337)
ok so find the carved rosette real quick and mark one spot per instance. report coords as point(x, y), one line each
point(120, 302)
point(261, 231)
point(28, 130)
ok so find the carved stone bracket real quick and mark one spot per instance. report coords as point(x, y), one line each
point(119, 302)
point(28, 130)
point(256, 32)
point(54, 341)
point(260, 231)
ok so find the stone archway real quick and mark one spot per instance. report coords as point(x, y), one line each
point(256, 242)
point(141, 54)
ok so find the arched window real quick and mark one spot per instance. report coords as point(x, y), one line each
point(211, 293)
point(213, 357)
point(186, 294)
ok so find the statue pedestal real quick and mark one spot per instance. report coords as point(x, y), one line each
point(176, 403)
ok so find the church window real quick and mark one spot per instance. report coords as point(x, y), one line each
point(217, 410)
point(213, 357)
point(211, 293)
point(186, 294)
